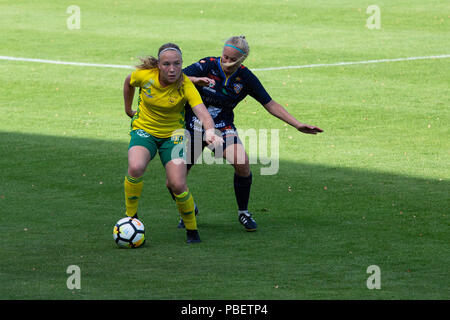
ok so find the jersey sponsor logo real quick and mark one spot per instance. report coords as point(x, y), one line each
point(209, 89)
point(177, 136)
point(214, 111)
point(195, 124)
point(171, 99)
point(228, 131)
point(213, 101)
point(177, 139)
point(142, 133)
point(220, 124)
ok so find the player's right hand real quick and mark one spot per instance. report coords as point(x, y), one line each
point(306, 128)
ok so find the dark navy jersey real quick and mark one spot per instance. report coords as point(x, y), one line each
point(225, 95)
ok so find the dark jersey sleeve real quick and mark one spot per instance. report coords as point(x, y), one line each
point(197, 69)
point(256, 89)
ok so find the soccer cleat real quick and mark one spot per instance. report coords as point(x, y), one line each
point(193, 236)
point(181, 223)
point(245, 218)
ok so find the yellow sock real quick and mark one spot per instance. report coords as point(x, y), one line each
point(185, 204)
point(133, 189)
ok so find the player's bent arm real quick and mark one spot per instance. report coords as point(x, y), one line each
point(281, 113)
point(202, 81)
point(203, 115)
point(128, 95)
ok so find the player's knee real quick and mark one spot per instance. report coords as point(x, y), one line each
point(242, 170)
point(177, 187)
point(136, 170)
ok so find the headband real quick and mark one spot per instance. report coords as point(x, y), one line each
point(170, 48)
point(229, 45)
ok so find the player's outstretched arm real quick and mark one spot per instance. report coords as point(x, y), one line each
point(128, 95)
point(281, 113)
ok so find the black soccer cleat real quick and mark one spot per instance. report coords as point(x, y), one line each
point(181, 223)
point(192, 236)
point(247, 221)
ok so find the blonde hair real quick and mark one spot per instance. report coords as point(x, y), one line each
point(148, 63)
point(151, 62)
point(239, 43)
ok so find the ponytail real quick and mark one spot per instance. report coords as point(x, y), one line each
point(148, 63)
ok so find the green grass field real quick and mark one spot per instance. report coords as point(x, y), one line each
point(373, 189)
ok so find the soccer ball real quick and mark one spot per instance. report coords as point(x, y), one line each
point(129, 233)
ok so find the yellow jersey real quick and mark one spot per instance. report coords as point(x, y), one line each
point(161, 109)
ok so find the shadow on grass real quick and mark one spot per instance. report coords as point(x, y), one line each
point(319, 227)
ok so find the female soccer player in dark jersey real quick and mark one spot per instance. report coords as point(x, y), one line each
point(223, 82)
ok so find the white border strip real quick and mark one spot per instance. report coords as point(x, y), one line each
point(83, 64)
point(443, 56)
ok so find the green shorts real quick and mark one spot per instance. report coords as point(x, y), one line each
point(169, 148)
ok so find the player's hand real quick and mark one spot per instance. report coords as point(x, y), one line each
point(306, 128)
point(204, 82)
point(212, 138)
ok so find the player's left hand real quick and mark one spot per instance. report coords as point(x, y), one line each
point(203, 81)
point(306, 128)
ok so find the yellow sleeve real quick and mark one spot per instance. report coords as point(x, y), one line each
point(191, 92)
point(136, 77)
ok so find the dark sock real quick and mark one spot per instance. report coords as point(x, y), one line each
point(242, 190)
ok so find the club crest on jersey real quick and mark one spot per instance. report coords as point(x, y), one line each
point(237, 87)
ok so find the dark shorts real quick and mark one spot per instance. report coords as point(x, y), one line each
point(195, 142)
point(169, 148)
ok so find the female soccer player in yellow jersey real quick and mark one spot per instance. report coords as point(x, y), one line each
point(158, 126)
